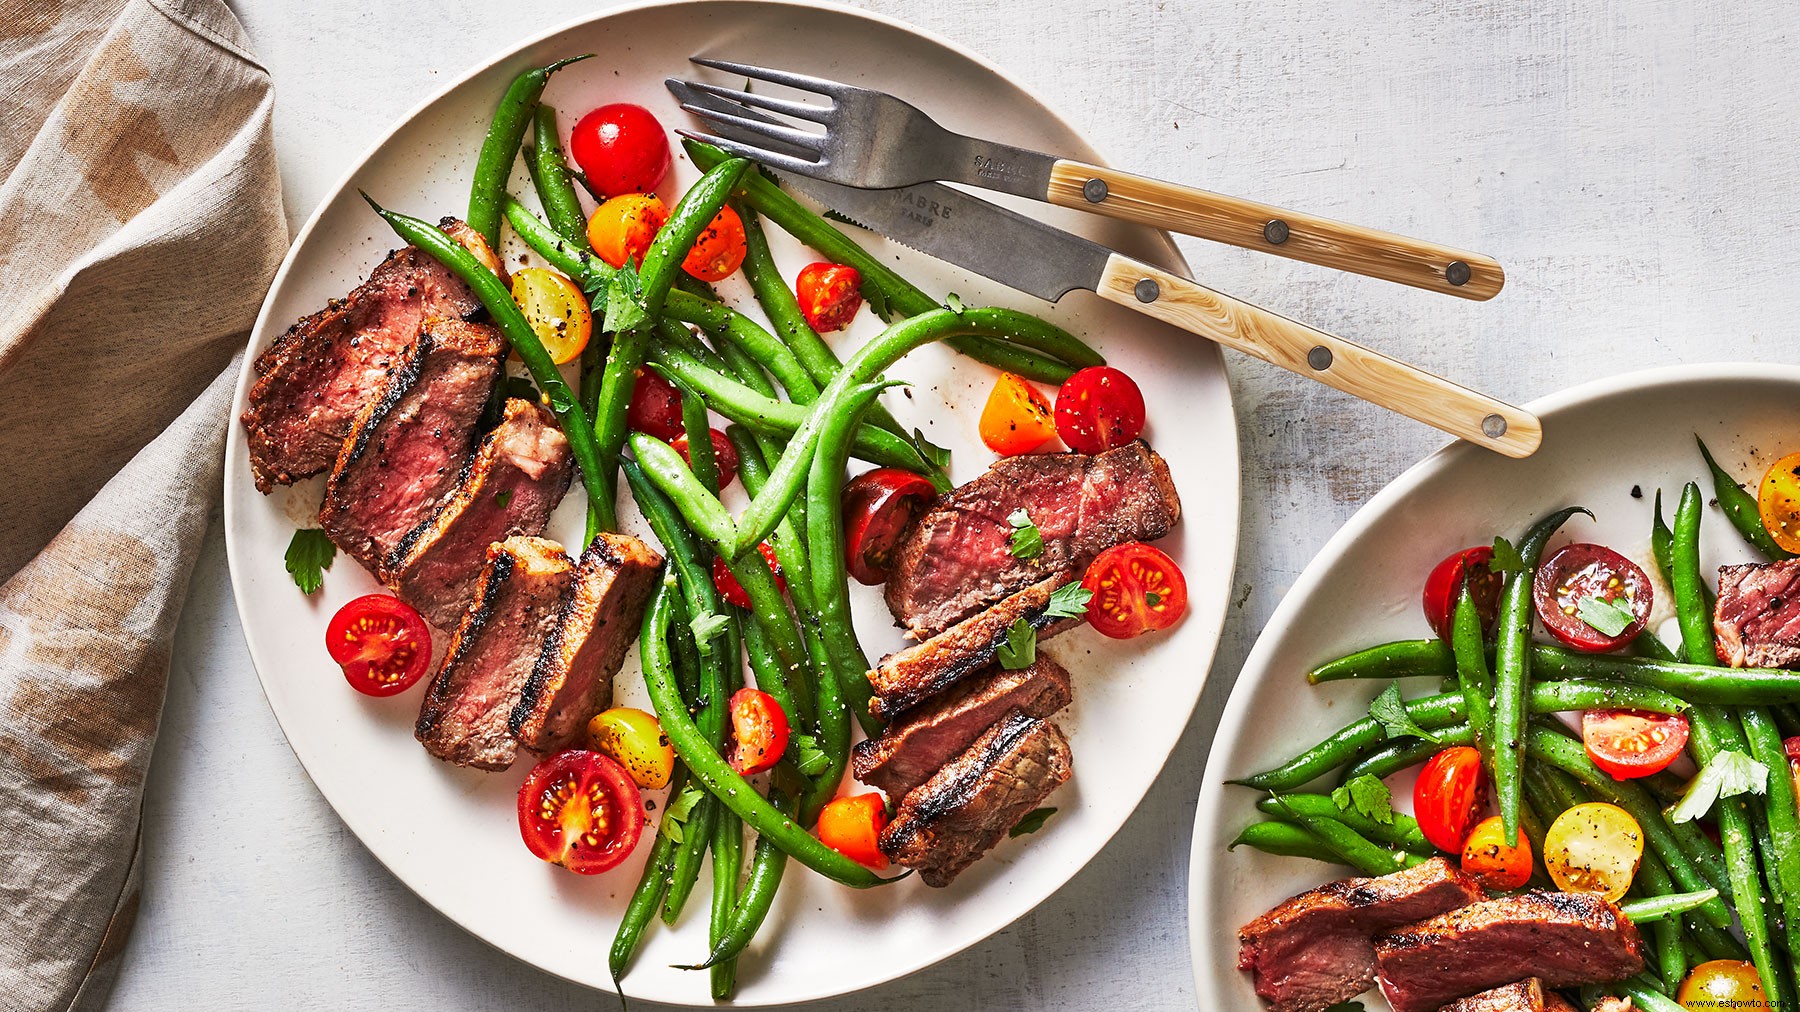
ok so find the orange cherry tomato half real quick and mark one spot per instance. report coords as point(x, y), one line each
point(760, 727)
point(1136, 589)
point(1449, 797)
point(1793, 754)
point(557, 310)
point(733, 591)
point(1017, 418)
point(879, 506)
point(1099, 408)
point(724, 454)
point(1445, 583)
point(1632, 743)
point(1491, 861)
point(1579, 572)
point(829, 295)
point(719, 251)
point(621, 148)
point(1778, 500)
point(655, 406)
point(381, 642)
point(624, 227)
point(1723, 984)
point(852, 826)
point(580, 809)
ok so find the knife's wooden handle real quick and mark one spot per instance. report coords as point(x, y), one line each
point(1271, 229)
point(1333, 361)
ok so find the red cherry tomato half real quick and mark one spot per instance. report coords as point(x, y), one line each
point(1135, 588)
point(1449, 797)
point(733, 591)
point(760, 727)
point(655, 406)
point(1445, 583)
point(879, 506)
point(724, 455)
point(1793, 754)
point(720, 249)
point(580, 809)
point(1578, 572)
point(1099, 408)
point(1632, 743)
point(381, 642)
point(829, 294)
point(852, 826)
point(621, 148)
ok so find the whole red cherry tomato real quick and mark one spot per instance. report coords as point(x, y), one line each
point(621, 148)
point(1099, 408)
point(829, 294)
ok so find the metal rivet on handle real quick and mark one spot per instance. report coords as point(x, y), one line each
point(1319, 357)
point(1094, 190)
point(1276, 231)
point(1493, 426)
point(1458, 273)
point(1146, 290)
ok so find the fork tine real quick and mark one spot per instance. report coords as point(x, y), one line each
point(790, 136)
point(802, 82)
point(798, 110)
point(773, 159)
point(686, 95)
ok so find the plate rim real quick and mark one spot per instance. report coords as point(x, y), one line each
point(1202, 934)
point(234, 453)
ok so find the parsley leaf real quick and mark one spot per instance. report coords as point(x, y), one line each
point(708, 627)
point(522, 388)
point(1032, 822)
point(679, 808)
point(1608, 618)
point(503, 498)
point(878, 301)
point(1027, 542)
point(1726, 775)
point(1068, 601)
point(808, 757)
point(309, 554)
point(1020, 648)
point(1506, 558)
point(935, 455)
point(1367, 796)
point(1389, 710)
point(625, 301)
point(954, 303)
point(1152, 598)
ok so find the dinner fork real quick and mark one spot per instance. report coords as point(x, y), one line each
point(874, 140)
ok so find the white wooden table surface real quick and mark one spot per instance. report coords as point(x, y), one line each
point(1632, 164)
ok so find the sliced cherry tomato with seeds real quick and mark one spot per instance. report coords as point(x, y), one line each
point(829, 295)
point(1016, 418)
point(624, 227)
point(1136, 588)
point(1594, 848)
point(728, 586)
point(1497, 865)
point(621, 148)
point(879, 506)
point(381, 642)
point(581, 810)
point(759, 728)
point(852, 826)
point(1444, 585)
point(724, 454)
point(1578, 583)
point(1778, 502)
point(719, 251)
point(655, 406)
point(1632, 743)
point(1099, 408)
point(1449, 797)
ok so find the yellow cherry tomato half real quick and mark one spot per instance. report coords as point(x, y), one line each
point(557, 311)
point(1779, 502)
point(1497, 866)
point(1594, 848)
point(1017, 417)
point(1722, 984)
point(636, 740)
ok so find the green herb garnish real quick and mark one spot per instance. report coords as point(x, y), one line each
point(1027, 541)
point(309, 554)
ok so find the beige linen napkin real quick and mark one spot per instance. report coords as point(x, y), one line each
point(140, 224)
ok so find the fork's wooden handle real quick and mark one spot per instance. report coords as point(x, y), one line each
point(1274, 230)
point(1333, 361)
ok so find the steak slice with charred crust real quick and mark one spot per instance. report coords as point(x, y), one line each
point(315, 379)
point(1757, 619)
point(1563, 939)
point(517, 599)
point(905, 679)
point(957, 558)
point(1523, 996)
point(911, 750)
point(1315, 949)
point(407, 448)
point(963, 810)
point(598, 618)
point(509, 487)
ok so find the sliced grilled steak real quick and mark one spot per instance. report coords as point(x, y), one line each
point(407, 448)
point(963, 810)
point(1315, 949)
point(510, 486)
point(597, 620)
point(1564, 939)
point(516, 603)
point(1757, 619)
point(316, 378)
point(957, 559)
point(905, 679)
point(1524, 996)
point(910, 751)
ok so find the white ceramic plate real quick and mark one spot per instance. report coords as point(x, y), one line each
point(1603, 442)
point(451, 834)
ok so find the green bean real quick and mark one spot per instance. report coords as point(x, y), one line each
point(728, 864)
point(825, 547)
point(1472, 676)
point(1787, 718)
point(1783, 810)
point(1691, 612)
point(1350, 846)
point(1646, 644)
point(649, 892)
point(507, 316)
point(705, 764)
point(670, 473)
point(1512, 669)
point(690, 854)
point(550, 174)
point(1662, 548)
point(790, 553)
point(1651, 882)
point(1285, 839)
point(1713, 731)
point(1657, 908)
point(582, 266)
point(731, 327)
point(1742, 508)
point(1402, 832)
point(698, 430)
point(1400, 659)
point(1405, 753)
point(766, 868)
point(1646, 998)
point(512, 117)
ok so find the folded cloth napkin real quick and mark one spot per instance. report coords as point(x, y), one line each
point(140, 225)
